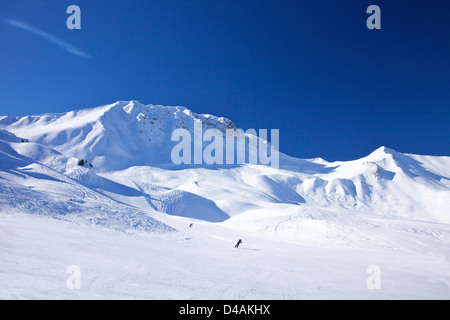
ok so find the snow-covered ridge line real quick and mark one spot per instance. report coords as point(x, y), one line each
point(122, 151)
point(125, 132)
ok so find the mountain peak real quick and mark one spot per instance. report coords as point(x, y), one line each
point(117, 135)
point(381, 153)
point(387, 150)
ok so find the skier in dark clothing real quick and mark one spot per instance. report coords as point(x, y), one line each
point(238, 243)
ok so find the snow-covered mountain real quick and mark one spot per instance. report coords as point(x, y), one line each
point(111, 166)
point(116, 136)
point(126, 147)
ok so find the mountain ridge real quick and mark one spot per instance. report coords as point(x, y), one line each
point(124, 149)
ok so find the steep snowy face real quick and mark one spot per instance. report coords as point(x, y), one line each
point(114, 136)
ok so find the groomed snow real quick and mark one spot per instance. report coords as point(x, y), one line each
point(201, 263)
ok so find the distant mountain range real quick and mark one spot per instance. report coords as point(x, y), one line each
point(111, 165)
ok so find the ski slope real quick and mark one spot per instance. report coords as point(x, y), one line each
point(202, 263)
point(310, 229)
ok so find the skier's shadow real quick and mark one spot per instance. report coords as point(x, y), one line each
point(250, 249)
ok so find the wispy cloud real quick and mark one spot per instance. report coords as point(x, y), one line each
point(49, 37)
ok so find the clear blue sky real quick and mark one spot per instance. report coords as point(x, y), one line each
point(310, 68)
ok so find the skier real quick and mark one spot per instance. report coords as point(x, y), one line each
point(238, 243)
point(190, 226)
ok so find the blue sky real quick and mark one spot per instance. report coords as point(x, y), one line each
point(312, 69)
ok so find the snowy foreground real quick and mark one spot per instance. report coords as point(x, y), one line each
point(202, 263)
point(91, 207)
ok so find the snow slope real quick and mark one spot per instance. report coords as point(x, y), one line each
point(36, 188)
point(202, 263)
point(310, 228)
